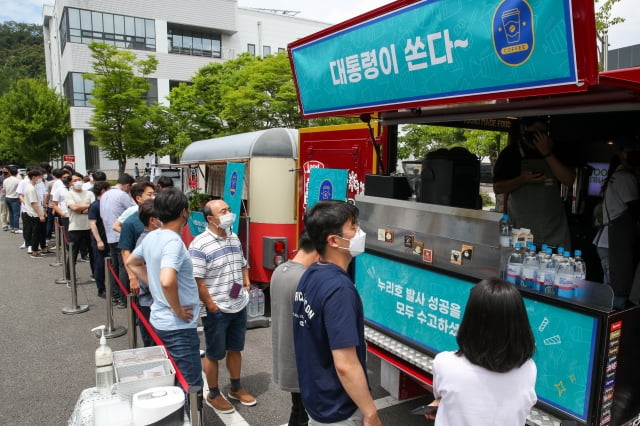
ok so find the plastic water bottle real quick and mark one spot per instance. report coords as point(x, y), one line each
point(253, 302)
point(565, 277)
point(547, 273)
point(530, 269)
point(580, 265)
point(514, 266)
point(260, 302)
point(505, 228)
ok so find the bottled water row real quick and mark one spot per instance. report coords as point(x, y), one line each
point(546, 272)
point(256, 302)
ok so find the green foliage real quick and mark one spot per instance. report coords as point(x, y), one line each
point(418, 140)
point(241, 95)
point(604, 21)
point(34, 122)
point(21, 53)
point(121, 119)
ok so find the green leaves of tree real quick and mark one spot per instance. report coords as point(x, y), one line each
point(34, 122)
point(121, 119)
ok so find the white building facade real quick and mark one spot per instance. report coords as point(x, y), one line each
point(184, 37)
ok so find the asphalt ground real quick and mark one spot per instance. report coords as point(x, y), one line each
point(47, 357)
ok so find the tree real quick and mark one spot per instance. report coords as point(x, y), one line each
point(604, 21)
point(121, 118)
point(34, 122)
point(21, 53)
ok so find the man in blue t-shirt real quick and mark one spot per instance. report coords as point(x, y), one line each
point(328, 322)
point(162, 261)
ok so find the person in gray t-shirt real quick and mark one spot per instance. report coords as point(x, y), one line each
point(284, 282)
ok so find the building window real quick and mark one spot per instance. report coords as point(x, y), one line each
point(281, 49)
point(266, 51)
point(152, 94)
point(91, 152)
point(251, 48)
point(78, 90)
point(195, 42)
point(128, 32)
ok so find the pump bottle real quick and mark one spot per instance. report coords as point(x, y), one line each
point(104, 365)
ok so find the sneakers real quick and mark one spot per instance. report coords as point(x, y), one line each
point(17, 231)
point(220, 404)
point(102, 294)
point(243, 396)
point(5, 228)
point(22, 246)
point(122, 304)
point(84, 259)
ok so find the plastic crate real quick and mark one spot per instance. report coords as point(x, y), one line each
point(130, 378)
point(136, 356)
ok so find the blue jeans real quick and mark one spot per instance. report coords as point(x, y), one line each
point(184, 346)
point(14, 212)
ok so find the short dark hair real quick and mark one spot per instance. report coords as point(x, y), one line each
point(165, 182)
point(34, 172)
point(495, 332)
point(146, 211)
point(99, 176)
point(304, 242)
point(327, 218)
point(125, 179)
point(77, 174)
point(170, 203)
point(57, 173)
point(138, 188)
point(99, 186)
point(13, 170)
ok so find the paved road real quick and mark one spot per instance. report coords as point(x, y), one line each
point(47, 356)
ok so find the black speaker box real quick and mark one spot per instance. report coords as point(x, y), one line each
point(387, 186)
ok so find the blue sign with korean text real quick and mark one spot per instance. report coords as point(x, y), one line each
point(427, 307)
point(197, 223)
point(326, 184)
point(437, 49)
point(233, 189)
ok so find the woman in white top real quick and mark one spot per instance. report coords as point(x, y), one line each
point(491, 379)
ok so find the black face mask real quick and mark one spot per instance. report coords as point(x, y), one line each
point(633, 158)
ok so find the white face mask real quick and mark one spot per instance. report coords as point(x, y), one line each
point(226, 220)
point(356, 244)
point(77, 185)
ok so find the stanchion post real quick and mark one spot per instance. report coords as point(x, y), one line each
point(133, 332)
point(74, 308)
point(65, 278)
point(56, 228)
point(110, 331)
point(195, 405)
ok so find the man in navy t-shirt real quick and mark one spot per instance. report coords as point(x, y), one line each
point(328, 322)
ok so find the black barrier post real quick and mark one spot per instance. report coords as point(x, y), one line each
point(110, 331)
point(195, 405)
point(74, 308)
point(133, 332)
point(58, 262)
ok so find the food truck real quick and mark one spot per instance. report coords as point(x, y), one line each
point(483, 64)
point(272, 187)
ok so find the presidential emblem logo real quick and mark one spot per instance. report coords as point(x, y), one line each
point(233, 185)
point(326, 190)
point(513, 35)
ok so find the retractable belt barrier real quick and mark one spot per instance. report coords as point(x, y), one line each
point(148, 327)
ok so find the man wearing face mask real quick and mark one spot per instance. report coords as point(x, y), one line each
point(328, 322)
point(78, 202)
point(221, 272)
point(529, 172)
point(621, 215)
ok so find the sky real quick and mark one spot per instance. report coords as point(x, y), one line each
point(334, 11)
